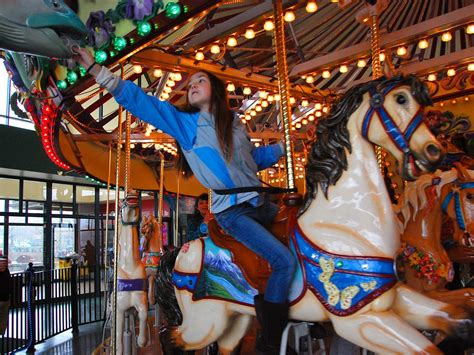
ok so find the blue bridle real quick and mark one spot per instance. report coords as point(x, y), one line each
point(401, 140)
point(457, 203)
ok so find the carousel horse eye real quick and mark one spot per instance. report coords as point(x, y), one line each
point(401, 99)
point(469, 196)
point(56, 3)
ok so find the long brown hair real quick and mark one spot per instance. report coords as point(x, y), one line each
point(223, 118)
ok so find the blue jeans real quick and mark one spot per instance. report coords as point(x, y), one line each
point(246, 223)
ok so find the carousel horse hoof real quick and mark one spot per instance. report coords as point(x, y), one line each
point(466, 331)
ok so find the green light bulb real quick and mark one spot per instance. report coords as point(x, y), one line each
point(71, 77)
point(112, 54)
point(61, 84)
point(143, 28)
point(100, 56)
point(82, 71)
point(119, 43)
point(172, 10)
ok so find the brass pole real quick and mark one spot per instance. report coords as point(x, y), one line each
point(127, 177)
point(376, 73)
point(107, 208)
point(283, 87)
point(160, 198)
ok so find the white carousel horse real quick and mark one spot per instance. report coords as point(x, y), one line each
point(346, 239)
point(131, 285)
point(427, 265)
point(152, 247)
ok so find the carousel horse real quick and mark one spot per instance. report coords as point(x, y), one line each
point(427, 265)
point(345, 239)
point(152, 247)
point(131, 284)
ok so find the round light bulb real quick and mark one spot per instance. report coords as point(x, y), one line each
point(305, 103)
point(318, 113)
point(199, 55)
point(310, 79)
point(451, 72)
point(258, 108)
point(277, 97)
point(230, 87)
point(268, 25)
point(292, 100)
point(446, 36)
point(311, 6)
point(423, 44)
point(157, 73)
point(167, 89)
point(318, 106)
point(215, 49)
point(263, 94)
point(298, 125)
point(311, 118)
point(325, 109)
point(470, 67)
point(249, 33)
point(343, 69)
point(248, 117)
point(137, 69)
point(470, 29)
point(165, 96)
point(253, 113)
point(361, 63)
point(326, 74)
point(247, 90)
point(170, 83)
point(231, 41)
point(270, 98)
point(177, 77)
point(382, 57)
point(401, 51)
point(289, 16)
point(432, 77)
point(264, 103)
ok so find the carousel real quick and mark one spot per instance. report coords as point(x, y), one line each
point(371, 103)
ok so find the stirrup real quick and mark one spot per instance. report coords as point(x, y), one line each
point(301, 338)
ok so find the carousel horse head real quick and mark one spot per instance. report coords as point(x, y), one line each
point(387, 112)
point(458, 204)
point(46, 28)
point(146, 230)
point(129, 211)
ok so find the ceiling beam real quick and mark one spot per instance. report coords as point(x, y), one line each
point(155, 58)
point(236, 23)
point(430, 65)
point(407, 34)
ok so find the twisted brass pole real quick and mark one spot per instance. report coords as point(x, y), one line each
point(283, 86)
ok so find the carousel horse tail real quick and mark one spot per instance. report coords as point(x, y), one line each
point(164, 289)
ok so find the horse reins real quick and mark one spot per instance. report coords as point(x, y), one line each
point(400, 139)
point(136, 223)
point(458, 210)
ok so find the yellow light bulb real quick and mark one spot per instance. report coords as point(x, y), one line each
point(137, 68)
point(230, 87)
point(432, 77)
point(401, 51)
point(170, 83)
point(318, 113)
point(277, 97)
point(361, 63)
point(268, 25)
point(292, 100)
point(310, 79)
point(270, 98)
point(326, 74)
point(264, 103)
point(263, 94)
point(343, 69)
point(199, 55)
point(215, 49)
point(470, 29)
point(382, 57)
point(451, 72)
point(446, 36)
point(423, 44)
point(289, 16)
point(231, 41)
point(318, 106)
point(167, 89)
point(298, 125)
point(157, 73)
point(247, 90)
point(311, 118)
point(311, 6)
point(304, 121)
point(249, 33)
point(470, 67)
point(248, 117)
point(305, 103)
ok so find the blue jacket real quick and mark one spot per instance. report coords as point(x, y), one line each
point(196, 134)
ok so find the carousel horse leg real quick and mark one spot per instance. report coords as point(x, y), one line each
point(119, 331)
point(462, 298)
point(141, 305)
point(423, 312)
point(203, 323)
point(383, 332)
point(234, 334)
point(151, 289)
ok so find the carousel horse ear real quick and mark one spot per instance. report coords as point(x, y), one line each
point(462, 171)
point(388, 70)
point(432, 86)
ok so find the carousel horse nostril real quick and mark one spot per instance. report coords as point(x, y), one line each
point(433, 151)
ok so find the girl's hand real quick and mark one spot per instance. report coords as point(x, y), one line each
point(83, 56)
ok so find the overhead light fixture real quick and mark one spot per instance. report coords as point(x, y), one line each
point(292, 100)
point(343, 68)
point(451, 72)
point(432, 77)
point(361, 63)
point(470, 67)
point(401, 51)
point(230, 87)
point(311, 6)
point(157, 73)
point(289, 16)
point(309, 79)
point(247, 90)
point(268, 25)
point(215, 49)
point(382, 57)
point(318, 106)
point(423, 44)
point(137, 68)
point(231, 41)
point(249, 33)
point(326, 74)
point(305, 103)
point(470, 29)
point(446, 36)
point(199, 55)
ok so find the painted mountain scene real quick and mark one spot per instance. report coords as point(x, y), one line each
point(221, 278)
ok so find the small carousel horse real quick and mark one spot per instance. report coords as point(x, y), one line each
point(346, 239)
point(427, 264)
point(152, 247)
point(131, 285)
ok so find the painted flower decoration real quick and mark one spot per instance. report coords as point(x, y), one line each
point(138, 9)
point(100, 28)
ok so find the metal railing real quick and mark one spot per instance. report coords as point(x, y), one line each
point(46, 303)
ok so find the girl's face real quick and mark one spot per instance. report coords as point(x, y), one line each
point(199, 91)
